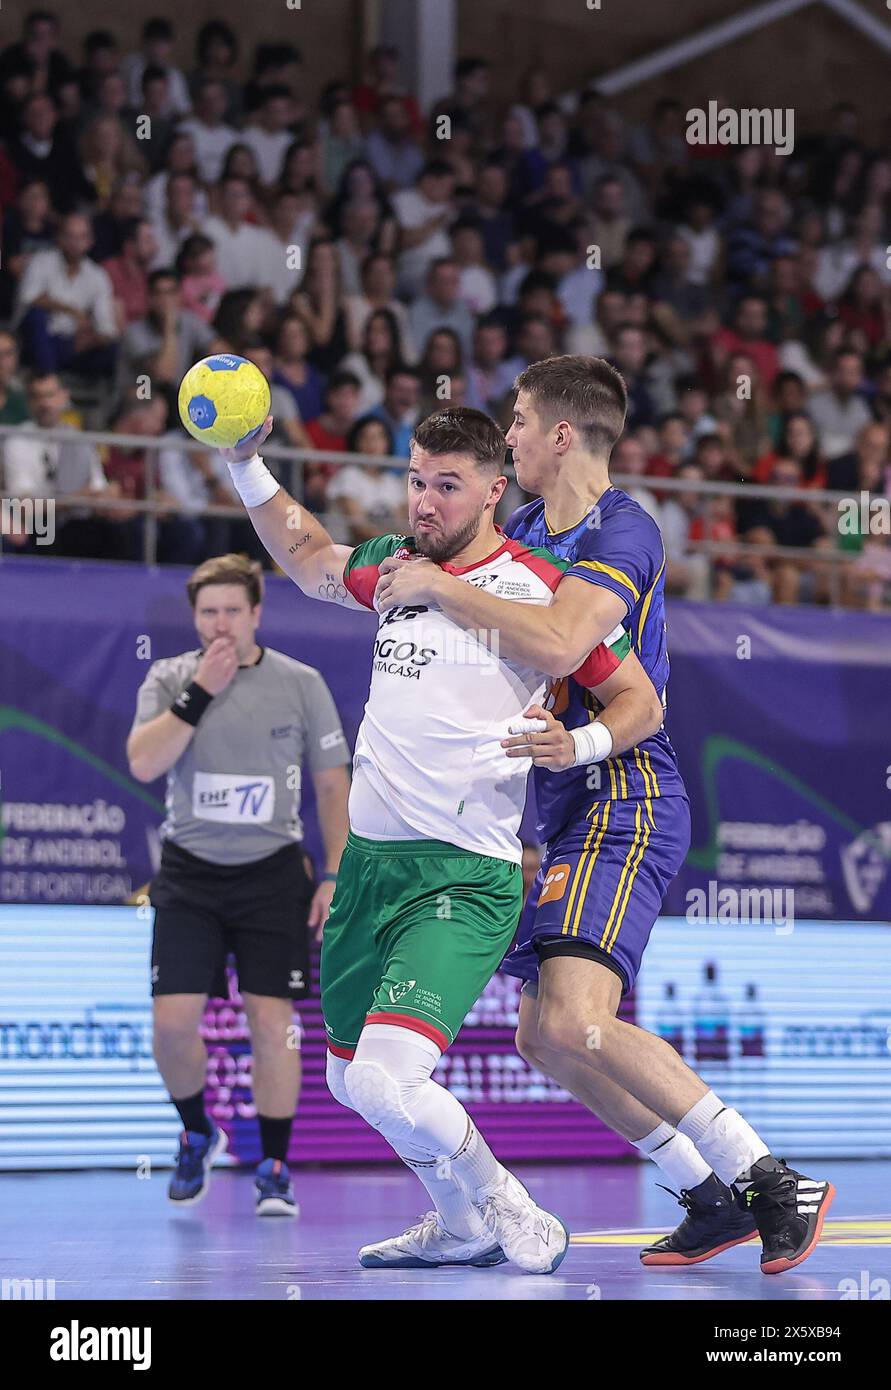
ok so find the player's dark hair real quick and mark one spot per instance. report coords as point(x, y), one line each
point(586, 391)
point(461, 430)
point(228, 569)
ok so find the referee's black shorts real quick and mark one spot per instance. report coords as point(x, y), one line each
point(257, 912)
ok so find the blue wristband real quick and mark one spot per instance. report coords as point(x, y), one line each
point(328, 878)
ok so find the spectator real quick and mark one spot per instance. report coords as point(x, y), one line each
point(629, 460)
point(371, 499)
point(399, 408)
point(66, 307)
point(216, 53)
point(838, 260)
point(791, 524)
point(318, 300)
point(269, 135)
point(159, 124)
point(39, 51)
point(180, 219)
point(211, 136)
point(593, 339)
point(129, 272)
point(293, 370)
point(329, 431)
point(38, 467)
point(201, 285)
point(470, 100)
point(382, 82)
point(107, 155)
point(674, 285)
point(864, 306)
point(240, 316)
point(752, 246)
point(840, 412)
point(748, 335)
point(27, 227)
point(441, 306)
point(441, 362)
point(288, 237)
point(392, 148)
point(674, 447)
point(491, 375)
point(180, 537)
point(607, 160)
point(111, 100)
point(379, 354)
point(127, 202)
point(477, 287)
point(41, 151)
point(247, 257)
point(866, 468)
point(341, 142)
point(377, 292)
point(157, 47)
point(701, 235)
point(13, 402)
point(423, 214)
point(165, 343)
point(741, 410)
point(797, 440)
point(288, 428)
point(179, 158)
point(101, 57)
point(630, 358)
point(496, 222)
point(360, 227)
point(686, 569)
point(693, 407)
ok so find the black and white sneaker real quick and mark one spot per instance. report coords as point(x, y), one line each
point(714, 1222)
point(789, 1211)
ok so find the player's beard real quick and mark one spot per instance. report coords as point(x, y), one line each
point(439, 546)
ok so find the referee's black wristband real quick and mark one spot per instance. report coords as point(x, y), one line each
point(191, 703)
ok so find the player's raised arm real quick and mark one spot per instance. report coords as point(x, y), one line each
point(295, 539)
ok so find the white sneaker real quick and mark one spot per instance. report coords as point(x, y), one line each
point(429, 1243)
point(532, 1238)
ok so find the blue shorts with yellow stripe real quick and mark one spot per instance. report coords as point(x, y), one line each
point(601, 884)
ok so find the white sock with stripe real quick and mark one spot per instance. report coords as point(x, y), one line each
point(723, 1138)
point(676, 1155)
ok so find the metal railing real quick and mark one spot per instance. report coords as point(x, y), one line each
point(296, 460)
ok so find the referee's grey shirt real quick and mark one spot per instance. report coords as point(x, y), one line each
point(234, 795)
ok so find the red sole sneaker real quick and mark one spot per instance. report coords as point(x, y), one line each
point(673, 1259)
point(780, 1266)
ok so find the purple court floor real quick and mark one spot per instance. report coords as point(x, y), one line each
point(109, 1235)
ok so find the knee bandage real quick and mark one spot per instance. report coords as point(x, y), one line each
point(377, 1097)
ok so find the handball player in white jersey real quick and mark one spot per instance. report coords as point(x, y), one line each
point(429, 888)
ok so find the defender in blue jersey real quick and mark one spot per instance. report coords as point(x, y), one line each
point(617, 828)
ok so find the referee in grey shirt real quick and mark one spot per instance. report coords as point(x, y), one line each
point(231, 724)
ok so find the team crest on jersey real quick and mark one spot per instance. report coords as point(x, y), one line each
point(400, 990)
point(555, 883)
point(403, 553)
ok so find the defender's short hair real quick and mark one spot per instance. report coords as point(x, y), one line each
point(586, 391)
point(461, 430)
point(228, 569)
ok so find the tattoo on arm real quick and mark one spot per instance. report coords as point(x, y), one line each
point(299, 543)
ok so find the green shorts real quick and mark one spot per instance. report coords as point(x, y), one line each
point(417, 929)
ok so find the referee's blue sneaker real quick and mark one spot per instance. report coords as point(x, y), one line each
point(196, 1157)
point(275, 1195)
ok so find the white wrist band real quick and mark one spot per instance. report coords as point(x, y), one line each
point(593, 742)
point(253, 481)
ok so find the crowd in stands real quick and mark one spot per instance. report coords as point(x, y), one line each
point(378, 261)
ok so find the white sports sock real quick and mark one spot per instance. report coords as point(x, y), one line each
point(726, 1141)
point(699, 1117)
point(676, 1155)
point(440, 1123)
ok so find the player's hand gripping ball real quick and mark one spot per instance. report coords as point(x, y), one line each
point(224, 400)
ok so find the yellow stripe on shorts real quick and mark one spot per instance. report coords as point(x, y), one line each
point(591, 858)
point(632, 850)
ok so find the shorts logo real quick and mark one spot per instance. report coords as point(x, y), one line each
point(555, 884)
point(399, 991)
point(296, 980)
